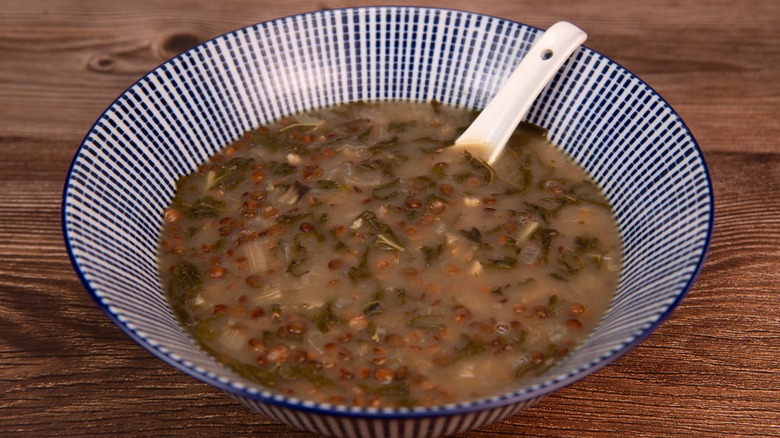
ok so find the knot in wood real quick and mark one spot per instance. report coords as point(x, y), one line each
point(175, 43)
point(101, 62)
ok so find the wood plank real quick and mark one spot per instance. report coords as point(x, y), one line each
point(50, 68)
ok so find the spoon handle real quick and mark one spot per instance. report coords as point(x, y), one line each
point(495, 124)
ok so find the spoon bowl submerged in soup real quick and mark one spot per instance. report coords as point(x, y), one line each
point(350, 256)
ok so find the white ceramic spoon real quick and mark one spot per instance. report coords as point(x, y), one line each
point(488, 134)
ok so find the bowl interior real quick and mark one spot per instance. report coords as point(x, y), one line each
point(171, 120)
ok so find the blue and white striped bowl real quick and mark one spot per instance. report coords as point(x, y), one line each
point(175, 117)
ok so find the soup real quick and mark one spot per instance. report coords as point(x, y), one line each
point(351, 256)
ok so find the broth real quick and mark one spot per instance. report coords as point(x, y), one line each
point(350, 256)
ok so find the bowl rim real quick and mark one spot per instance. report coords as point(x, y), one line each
point(267, 397)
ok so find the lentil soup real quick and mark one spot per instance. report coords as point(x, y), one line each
point(350, 256)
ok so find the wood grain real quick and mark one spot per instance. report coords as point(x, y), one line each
point(710, 370)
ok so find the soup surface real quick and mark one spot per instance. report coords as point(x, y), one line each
point(351, 256)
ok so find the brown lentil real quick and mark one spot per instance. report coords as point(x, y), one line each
point(306, 227)
point(258, 175)
point(253, 281)
point(383, 375)
point(401, 373)
point(577, 309)
point(257, 344)
point(297, 327)
point(437, 206)
point(217, 272)
point(414, 203)
point(172, 215)
point(278, 353)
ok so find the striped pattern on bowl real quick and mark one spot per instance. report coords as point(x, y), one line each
point(171, 120)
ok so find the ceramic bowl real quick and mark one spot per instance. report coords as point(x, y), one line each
point(615, 125)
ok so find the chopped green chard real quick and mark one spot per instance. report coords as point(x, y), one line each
point(480, 167)
point(310, 373)
point(361, 271)
point(296, 267)
point(230, 174)
point(432, 253)
point(293, 193)
point(385, 237)
point(327, 184)
point(292, 219)
point(436, 322)
point(374, 308)
point(470, 347)
point(351, 255)
point(186, 281)
point(300, 125)
point(326, 318)
point(385, 191)
point(388, 242)
point(502, 263)
point(205, 207)
point(545, 236)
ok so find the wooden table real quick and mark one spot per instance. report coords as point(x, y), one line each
point(712, 369)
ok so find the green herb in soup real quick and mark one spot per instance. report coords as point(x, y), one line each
point(351, 256)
